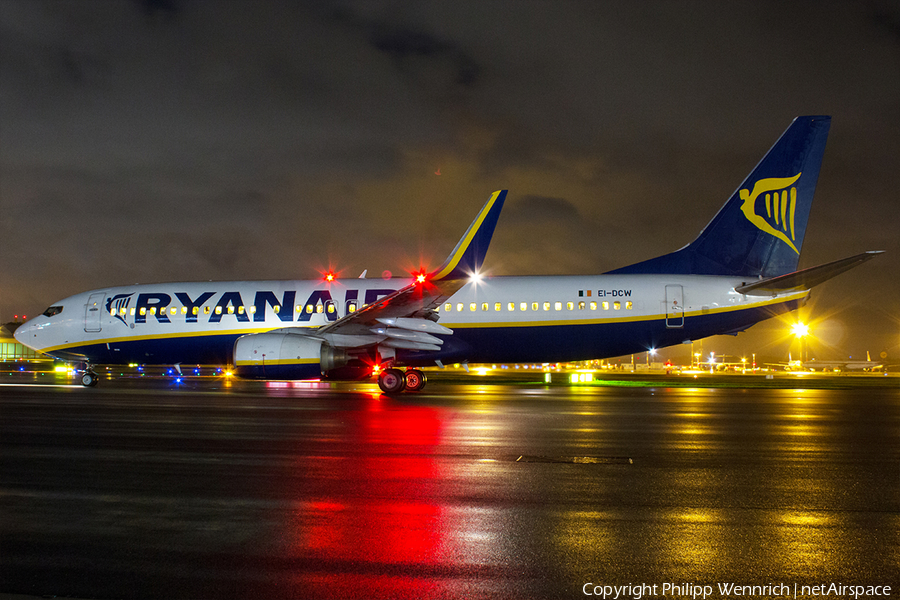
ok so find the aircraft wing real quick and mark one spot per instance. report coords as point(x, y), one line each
point(412, 308)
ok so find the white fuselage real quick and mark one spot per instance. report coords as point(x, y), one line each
point(499, 319)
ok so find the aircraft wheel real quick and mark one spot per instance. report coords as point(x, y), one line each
point(415, 380)
point(89, 379)
point(391, 381)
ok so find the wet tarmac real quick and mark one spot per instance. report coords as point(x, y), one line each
point(152, 490)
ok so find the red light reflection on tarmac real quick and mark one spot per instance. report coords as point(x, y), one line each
point(379, 524)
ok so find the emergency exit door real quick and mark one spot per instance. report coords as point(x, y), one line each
point(674, 306)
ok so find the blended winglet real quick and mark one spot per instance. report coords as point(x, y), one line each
point(468, 255)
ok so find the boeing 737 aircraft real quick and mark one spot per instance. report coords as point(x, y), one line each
point(741, 269)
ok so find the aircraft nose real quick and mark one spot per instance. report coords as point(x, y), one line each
point(19, 333)
point(24, 333)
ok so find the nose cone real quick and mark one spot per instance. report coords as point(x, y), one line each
point(22, 332)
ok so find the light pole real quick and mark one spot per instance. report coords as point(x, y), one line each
point(800, 330)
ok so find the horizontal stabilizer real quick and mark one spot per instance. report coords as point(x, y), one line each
point(807, 278)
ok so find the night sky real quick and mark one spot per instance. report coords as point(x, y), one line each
point(171, 140)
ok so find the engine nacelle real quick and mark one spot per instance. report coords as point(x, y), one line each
point(284, 356)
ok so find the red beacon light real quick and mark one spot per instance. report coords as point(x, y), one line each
point(330, 276)
point(421, 276)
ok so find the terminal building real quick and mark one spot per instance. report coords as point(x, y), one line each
point(13, 351)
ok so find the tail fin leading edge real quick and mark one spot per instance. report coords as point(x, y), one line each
point(759, 232)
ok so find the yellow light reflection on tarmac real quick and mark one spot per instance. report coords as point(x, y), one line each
point(805, 536)
point(695, 539)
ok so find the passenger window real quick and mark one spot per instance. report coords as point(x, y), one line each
point(497, 306)
point(484, 306)
point(606, 306)
point(231, 310)
point(309, 309)
point(195, 311)
point(448, 307)
point(581, 306)
point(172, 311)
point(557, 306)
point(252, 309)
point(523, 306)
point(459, 307)
point(184, 310)
point(351, 307)
point(593, 306)
point(629, 305)
point(472, 306)
point(511, 306)
point(570, 305)
point(534, 306)
point(218, 310)
point(617, 305)
point(206, 310)
point(546, 306)
point(143, 310)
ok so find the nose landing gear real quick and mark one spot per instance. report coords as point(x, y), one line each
point(88, 377)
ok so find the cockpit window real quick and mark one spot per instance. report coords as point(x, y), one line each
point(53, 310)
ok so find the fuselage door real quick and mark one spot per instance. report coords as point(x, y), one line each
point(674, 306)
point(93, 311)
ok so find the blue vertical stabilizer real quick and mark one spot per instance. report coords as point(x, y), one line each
point(759, 232)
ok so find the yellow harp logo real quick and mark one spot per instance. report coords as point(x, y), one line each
point(781, 204)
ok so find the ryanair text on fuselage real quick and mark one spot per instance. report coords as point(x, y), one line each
point(160, 305)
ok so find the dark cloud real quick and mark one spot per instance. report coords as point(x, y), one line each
point(405, 46)
point(540, 210)
point(166, 9)
point(166, 139)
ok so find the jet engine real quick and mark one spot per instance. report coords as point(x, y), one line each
point(276, 355)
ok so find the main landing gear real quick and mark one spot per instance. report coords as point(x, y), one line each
point(394, 381)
